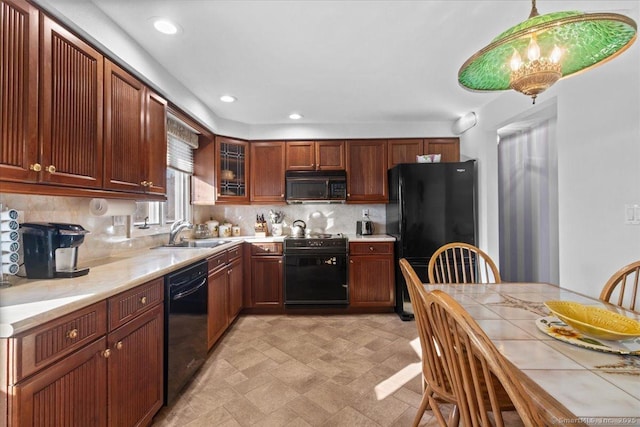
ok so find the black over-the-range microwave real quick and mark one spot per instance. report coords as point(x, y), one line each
point(316, 186)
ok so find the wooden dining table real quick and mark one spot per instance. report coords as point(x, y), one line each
point(570, 384)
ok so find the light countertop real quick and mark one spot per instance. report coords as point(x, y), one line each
point(31, 303)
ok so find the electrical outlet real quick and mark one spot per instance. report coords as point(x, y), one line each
point(365, 212)
point(632, 214)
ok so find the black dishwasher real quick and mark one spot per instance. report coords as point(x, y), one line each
point(185, 326)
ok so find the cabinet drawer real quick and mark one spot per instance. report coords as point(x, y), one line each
point(234, 253)
point(266, 249)
point(217, 261)
point(362, 248)
point(45, 344)
point(127, 305)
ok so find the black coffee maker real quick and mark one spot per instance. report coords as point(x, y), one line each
point(51, 249)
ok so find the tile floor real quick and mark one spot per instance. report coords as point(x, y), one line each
point(356, 370)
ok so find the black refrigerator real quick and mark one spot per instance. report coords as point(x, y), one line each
point(430, 204)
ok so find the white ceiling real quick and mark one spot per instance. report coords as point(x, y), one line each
point(332, 61)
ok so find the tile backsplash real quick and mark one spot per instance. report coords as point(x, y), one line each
point(320, 218)
point(106, 239)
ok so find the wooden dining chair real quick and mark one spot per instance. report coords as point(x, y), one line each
point(475, 366)
point(462, 263)
point(436, 386)
point(623, 288)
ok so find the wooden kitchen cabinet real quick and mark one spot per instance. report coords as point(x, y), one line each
point(71, 392)
point(448, 148)
point(315, 155)
point(266, 276)
point(225, 291)
point(371, 274)
point(135, 369)
point(134, 134)
point(267, 171)
point(406, 150)
point(232, 170)
point(217, 300)
point(90, 367)
point(235, 274)
point(367, 171)
point(71, 109)
point(19, 91)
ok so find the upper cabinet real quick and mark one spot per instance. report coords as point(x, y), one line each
point(367, 171)
point(19, 91)
point(406, 150)
point(135, 134)
point(231, 170)
point(267, 172)
point(71, 109)
point(71, 118)
point(315, 155)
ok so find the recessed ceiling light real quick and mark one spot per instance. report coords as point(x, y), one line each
point(228, 98)
point(165, 26)
point(295, 116)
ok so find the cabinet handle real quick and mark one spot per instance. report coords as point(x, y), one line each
point(144, 183)
point(106, 353)
point(371, 248)
point(50, 169)
point(143, 300)
point(72, 334)
point(119, 345)
point(36, 167)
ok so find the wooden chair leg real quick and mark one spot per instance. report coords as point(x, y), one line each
point(424, 403)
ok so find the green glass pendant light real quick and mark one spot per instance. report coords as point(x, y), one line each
point(531, 56)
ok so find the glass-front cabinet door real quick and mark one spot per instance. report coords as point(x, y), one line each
point(232, 167)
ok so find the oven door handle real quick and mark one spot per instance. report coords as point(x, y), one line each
point(190, 291)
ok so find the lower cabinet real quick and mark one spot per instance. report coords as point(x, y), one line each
point(71, 392)
point(217, 305)
point(135, 369)
point(90, 369)
point(371, 274)
point(225, 291)
point(266, 275)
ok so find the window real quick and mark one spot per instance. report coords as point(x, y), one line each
point(180, 145)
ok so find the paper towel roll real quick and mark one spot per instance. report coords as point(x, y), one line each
point(102, 207)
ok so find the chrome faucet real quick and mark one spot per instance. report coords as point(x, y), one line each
point(176, 228)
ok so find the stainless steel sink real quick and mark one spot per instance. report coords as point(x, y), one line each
point(192, 244)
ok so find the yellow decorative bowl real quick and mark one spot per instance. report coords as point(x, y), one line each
point(594, 321)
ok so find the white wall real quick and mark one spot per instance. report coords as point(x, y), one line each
point(598, 140)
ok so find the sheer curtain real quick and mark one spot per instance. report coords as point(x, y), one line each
point(528, 199)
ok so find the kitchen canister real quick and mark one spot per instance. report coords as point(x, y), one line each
point(235, 230)
point(213, 227)
point(225, 230)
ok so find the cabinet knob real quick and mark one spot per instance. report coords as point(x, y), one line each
point(119, 345)
point(150, 184)
point(144, 183)
point(106, 353)
point(229, 271)
point(72, 334)
point(36, 167)
point(371, 248)
point(348, 194)
point(280, 262)
point(282, 195)
point(143, 300)
point(50, 169)
point(350, 261)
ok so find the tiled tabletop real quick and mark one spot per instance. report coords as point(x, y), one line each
point(597, 388)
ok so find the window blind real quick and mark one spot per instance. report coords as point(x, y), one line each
point(180, 145)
